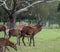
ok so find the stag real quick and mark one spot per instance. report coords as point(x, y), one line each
point(4, 43)
point(30, 31)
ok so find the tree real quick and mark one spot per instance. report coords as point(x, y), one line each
point(58, 9)
point(12, 10)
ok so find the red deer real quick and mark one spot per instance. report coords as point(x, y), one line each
point(30, 31)
point(3, 28)
point(15, 32)
point(5, 42)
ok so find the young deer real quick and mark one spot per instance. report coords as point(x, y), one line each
point(30, 31)
point(4, 43)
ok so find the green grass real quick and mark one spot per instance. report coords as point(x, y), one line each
point(48, 40)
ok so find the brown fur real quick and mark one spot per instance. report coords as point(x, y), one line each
point(5, 42)
point(14, 32)
point(30, 31)
point(2, 27)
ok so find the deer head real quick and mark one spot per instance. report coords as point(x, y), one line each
point(40, 22)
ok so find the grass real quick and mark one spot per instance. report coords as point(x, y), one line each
point(48, 40)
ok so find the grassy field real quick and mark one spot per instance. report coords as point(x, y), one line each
point(48, 40)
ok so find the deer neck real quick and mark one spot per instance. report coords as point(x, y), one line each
point(38, 27)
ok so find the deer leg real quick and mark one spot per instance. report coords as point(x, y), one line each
point(4, 48)
point(30, 41)
point(7, 35)
point(19, 37)
point(1, 49)
point(23, 41)
point(28, 38)
point(18, 40)
point(33, 41)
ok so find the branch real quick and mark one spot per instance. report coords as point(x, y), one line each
point(27, 2)
point(4, 6)
point(30, 5)
point(13, 6)
point(2, 3)
point(26, 8)
point(6, 10)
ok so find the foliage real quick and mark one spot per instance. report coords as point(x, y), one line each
point(58, 9)
point(53, 16)
point(48, 11)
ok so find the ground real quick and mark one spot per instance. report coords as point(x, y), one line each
point(48, 40)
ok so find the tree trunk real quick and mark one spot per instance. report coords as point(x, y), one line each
point(11, 23)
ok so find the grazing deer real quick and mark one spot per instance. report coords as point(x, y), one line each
point(3, 28)
point(30, 31)
point(4, 43)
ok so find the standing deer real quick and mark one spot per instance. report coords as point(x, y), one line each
point(30, 31)
point(4, 43)
point(15, 32)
